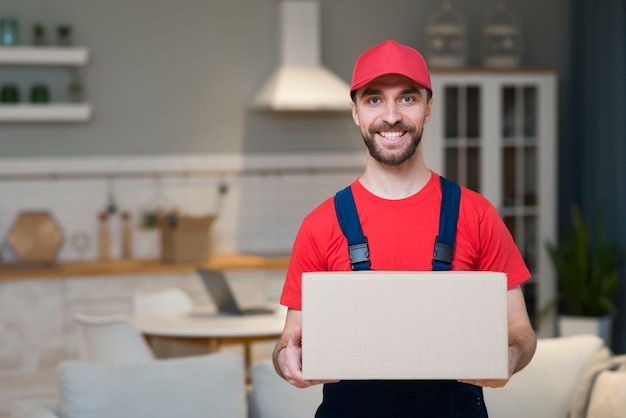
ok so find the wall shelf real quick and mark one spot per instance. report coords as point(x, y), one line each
point(56, 112)
point(44, 55)
point(47, 56)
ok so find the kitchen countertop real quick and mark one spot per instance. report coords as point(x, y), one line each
point(118, 267)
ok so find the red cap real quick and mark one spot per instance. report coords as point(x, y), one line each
point(390, 57)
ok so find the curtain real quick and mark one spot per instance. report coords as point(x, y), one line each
point(592, 143)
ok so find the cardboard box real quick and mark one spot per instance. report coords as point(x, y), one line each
point(185, 239)
point(404, 325)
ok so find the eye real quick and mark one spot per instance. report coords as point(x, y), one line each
point(407, 99)
point(374, 100)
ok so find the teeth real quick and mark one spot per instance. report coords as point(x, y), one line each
point(391, 135)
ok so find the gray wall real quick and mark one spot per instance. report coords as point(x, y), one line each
point(176, 77)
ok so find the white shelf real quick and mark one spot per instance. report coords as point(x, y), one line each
point(43, 55)
point(54, 112)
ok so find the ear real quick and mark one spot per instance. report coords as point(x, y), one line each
point(355, 114)
point(429, 110)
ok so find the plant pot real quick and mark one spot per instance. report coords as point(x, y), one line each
point(574, 325)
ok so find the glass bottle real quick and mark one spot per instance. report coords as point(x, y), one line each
point(8, 31)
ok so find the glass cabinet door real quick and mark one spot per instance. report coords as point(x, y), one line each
point(519, 147)
point(462, 134)
point(495, 132)
point(490, 144)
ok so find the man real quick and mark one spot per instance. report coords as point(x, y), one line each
point(398, 200)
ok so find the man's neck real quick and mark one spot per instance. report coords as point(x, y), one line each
point(395, 182)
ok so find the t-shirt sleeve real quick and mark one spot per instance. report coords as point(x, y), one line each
point(305, 256)
point(499, 251)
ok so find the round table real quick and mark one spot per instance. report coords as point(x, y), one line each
point(215, 328)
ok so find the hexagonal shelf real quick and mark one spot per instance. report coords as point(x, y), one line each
point(36, 237)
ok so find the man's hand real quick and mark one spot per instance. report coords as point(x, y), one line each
point(496, 383)
point(290, 362)
point(522, 340)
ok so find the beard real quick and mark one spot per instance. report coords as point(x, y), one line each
point(392, 157)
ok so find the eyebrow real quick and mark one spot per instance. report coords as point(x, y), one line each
point(374, 92)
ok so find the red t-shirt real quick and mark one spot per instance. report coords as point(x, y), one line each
point(401, 237)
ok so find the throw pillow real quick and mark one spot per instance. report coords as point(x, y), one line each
point(191, 387)
point(608, 398)
point(580, 396)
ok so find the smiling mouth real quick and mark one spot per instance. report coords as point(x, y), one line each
point(391, 136)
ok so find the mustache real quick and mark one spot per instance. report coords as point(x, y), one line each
point(395, 127)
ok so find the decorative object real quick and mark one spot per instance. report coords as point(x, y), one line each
point(104, 239)
point(64, 35)
point(76, 90)
point(587, 269)
point(80, 242)
point(447, 37)
point(127, 235)
point(502, 38)
point(39, 35)
point(185, 238)
point(9, 31)
point(36, 237)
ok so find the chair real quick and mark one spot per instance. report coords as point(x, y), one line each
point(110, 339)
point(170, 299)
point(271, 396)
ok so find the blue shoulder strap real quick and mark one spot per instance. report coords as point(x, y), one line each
point(351, 227)
point(448, 217)
point(358, 249)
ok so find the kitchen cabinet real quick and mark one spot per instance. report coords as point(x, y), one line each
point(44, 57)
point(495, 132)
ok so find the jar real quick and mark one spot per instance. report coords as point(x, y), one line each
point(8, 31)
point(447, 37)
point(502, 38)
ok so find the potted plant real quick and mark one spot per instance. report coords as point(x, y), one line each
point(39, 35)
point(64, 35)
point(587, 270)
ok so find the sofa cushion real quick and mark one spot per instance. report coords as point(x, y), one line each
point(210, 385)
point(544, 388)
point(273, 397)
point(608, 398)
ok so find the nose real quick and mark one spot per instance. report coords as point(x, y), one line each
point(391, 113)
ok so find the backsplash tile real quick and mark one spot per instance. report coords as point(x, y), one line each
point(265, 200)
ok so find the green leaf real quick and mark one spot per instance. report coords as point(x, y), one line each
point(587, 267)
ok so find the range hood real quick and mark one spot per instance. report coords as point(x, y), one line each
point(301, 83)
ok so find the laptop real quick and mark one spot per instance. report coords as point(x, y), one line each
point(223, 297)
point(404, 325)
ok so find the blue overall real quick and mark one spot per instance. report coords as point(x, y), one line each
point(401, 398)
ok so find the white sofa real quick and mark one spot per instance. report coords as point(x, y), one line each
point(569, 377)
point(565, 379)
point(558, 383)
